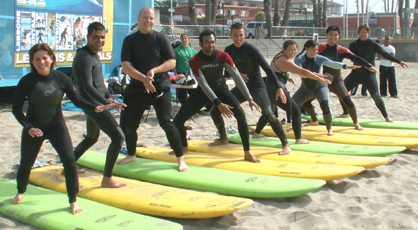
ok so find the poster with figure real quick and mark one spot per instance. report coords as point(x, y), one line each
point(62, 25)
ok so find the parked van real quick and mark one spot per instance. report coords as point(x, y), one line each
point(251, 26)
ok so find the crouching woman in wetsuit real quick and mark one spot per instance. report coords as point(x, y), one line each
point(44, 88)
point(312, 88)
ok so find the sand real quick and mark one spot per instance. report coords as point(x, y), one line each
point(379, 198)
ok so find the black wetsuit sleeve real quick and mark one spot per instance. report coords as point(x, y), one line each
point(385, 54)
point(74, 97)
point(228, 50)
point(18, 101)
point(85, 65)
point(166, 49)
point(256, 55)
point(356, 59)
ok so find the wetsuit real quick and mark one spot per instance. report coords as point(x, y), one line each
point(312, 88)
point(88, 76)
point(44, 94)
point(367, 50)
point(338, 53)
point(248, 60)
point(291, 108)
point(208, 71)
point(144, 52)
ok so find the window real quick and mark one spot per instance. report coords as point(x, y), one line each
point(221, 11)
point(233, 12)
point(235, 3)
point(243, 13)
point(199, 11)
point(250, 25)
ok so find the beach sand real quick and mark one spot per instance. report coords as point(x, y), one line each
point(379, 198)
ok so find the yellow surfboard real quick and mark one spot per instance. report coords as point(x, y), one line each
point(295, 156)
point(349, 138)
point(267, 167)
point(365, 131)
point(142, 197)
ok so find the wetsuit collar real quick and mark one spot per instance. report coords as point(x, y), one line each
point(206, 57)
point(240, 49)
point(308, 58)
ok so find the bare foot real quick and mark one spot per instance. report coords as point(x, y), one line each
point(17, 198)
point(75, 208)
point(125, 160)
point(219, 142)
point(78, 172)
point(108, 182)
point(258, 135)
point(330, 132)
point(312, 123)
point(286, 150)
point(302, 141)
point(343, 116)
point(250, 157)
point(182, 164)
point(358, 126)
point(388, 119)
point(185, 150)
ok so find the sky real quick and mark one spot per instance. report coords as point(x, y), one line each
point(377, 6)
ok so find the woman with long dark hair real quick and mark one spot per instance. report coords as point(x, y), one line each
point(44, 89)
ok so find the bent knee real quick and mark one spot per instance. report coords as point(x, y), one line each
point(348, 102)
point(325, 107)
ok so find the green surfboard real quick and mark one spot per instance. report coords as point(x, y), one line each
point(322, 147)
point(206, 179)
point(368, 123)
point(48, 209)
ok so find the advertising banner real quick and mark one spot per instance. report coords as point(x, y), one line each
point(62, 24)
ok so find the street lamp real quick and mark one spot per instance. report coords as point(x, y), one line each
point(222, 4)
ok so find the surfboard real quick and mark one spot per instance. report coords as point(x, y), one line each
point(216, 180)
point(365, 131)
point(267, 167)
point(47, 209)
point(322, 147)
point(345, 138)
point(143, 197)
point(368, 123)
point(294, 156)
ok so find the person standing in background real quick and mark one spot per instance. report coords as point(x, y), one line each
point(387, 71)
point(183, 54)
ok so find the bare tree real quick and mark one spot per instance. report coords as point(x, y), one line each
point(267, 13)
point(213, 11)
point(208, 13)
point(415, 24)
point(314, 13)
point(405, 18)
point(285, 17)
point(324, 16)
point(276, 16)
point(192, 16)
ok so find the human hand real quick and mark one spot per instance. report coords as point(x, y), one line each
point(404, 64)
point(254, 105)
point(226, 110)
point(373, 69)
point(35, 132)
point(280, 93)
point(291, 80)
point(244, 77)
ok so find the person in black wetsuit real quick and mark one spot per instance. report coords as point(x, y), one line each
point(367, 49)
point(44, 88)
point(208, 66)
point(282, 64)
point(248, 60)
point(146, 57)
point(335, 52)
point(88, 77)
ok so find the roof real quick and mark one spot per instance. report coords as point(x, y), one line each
point(160, 5)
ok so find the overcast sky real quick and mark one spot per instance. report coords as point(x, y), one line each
point(375, 5)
